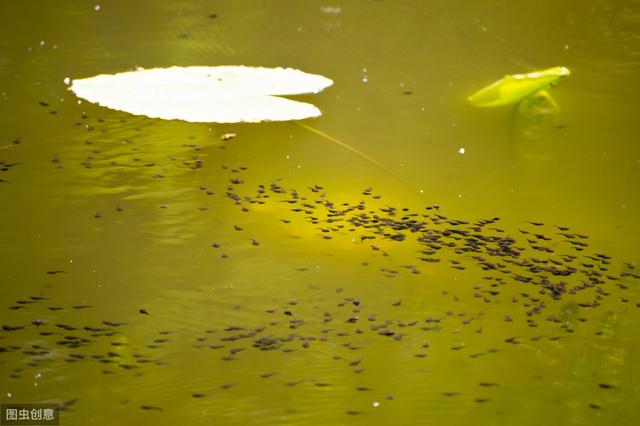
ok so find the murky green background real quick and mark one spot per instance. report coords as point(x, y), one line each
point(115, 201)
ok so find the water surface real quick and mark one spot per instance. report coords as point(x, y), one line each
point(254, 315)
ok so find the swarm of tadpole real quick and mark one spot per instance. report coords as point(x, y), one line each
point(547, 264)
point(552, 260)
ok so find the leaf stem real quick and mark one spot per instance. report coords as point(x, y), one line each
point(359, 153)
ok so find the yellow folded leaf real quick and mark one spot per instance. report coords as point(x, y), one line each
point(516, 87)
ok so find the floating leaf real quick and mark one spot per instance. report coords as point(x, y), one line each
point(516, 87)
point(224, 94)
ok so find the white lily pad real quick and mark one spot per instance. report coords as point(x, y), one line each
point(223, 94)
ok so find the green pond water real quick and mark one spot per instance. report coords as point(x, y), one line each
point(314, 300)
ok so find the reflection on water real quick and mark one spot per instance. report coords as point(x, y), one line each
point(154, 272)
